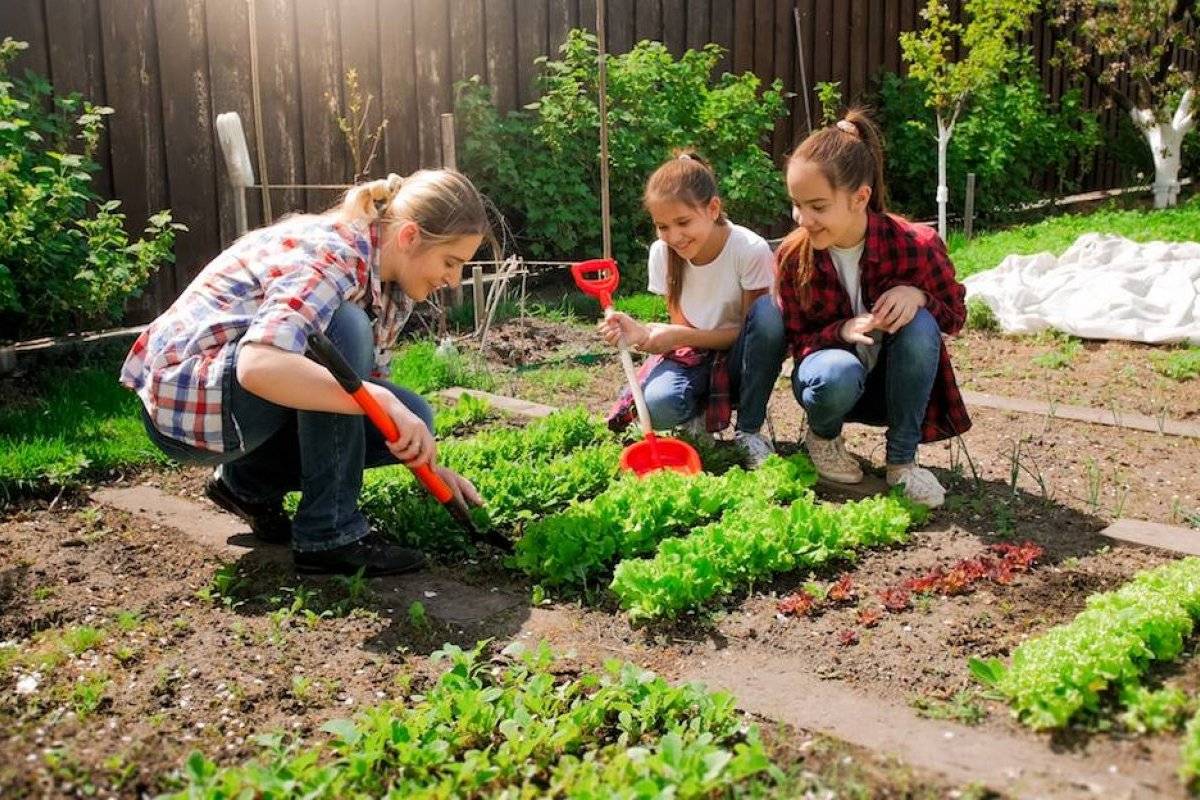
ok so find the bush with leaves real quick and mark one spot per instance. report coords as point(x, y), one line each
point(1012, 138)
point(66, 261)
point(541, 165)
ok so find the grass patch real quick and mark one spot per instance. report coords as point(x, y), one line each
point(78, 423)
point(419, 368)
point(980, 316)
point(1062, 356)
point(1181, 364)
point(644, 307)
point(1056, 234)
point(558, 378)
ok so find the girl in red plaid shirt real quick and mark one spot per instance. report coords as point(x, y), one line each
point(867, 297)
point(224, 380)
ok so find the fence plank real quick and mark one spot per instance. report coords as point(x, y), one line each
point(500, 27)
point(722, 32)
point(763, 61)
point(135, 130)
point(891, 35)
point(648, 20)
point(432, 42)
point(359, 29)
point(858, 45)
point(743, 35)
point(562, 16)
point(24, 20)
point(674, 26)
point(587, 15)
point(699, 18)
point(320, 92)
point(874, 53)
point(283, 106)
point(619, 25)
point(399, 73)
point(183, 64)
point(532, 21)
point(785, 56)
point(74, 46)
point(822, 50)
point(228, 36)
point(839, 61)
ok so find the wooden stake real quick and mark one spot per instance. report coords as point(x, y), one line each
point(969, 207)
point(605, 211)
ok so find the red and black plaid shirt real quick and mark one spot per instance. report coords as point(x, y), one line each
point(896, 253)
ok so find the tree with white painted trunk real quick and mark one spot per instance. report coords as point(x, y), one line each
point(1135, 51)
point(986, 40)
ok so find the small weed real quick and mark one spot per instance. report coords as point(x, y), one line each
point(302, 688)
point(125, 654)
point(88, 695)
point(128, 621)
point(43, 593)
point(417, 617)
point(1061, 356)
point(81, 638)
point(1179, 365)
point(980, 316)
point(964, 707)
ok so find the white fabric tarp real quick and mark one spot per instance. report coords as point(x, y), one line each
point(1102, 287)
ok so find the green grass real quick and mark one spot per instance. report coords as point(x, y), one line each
point(418, 368)
point(558, 378)
point(1056, 234)
point(77, 423)
point(643, 306)
point(1181, 365)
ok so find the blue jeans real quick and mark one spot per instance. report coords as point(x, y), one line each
point(674, 393)
point(833, 386)
point(319, 454)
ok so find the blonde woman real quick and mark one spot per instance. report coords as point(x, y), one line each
point(224, 381)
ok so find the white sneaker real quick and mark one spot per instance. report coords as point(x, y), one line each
point(832, 461)
point(920, 485)
point(756, 447)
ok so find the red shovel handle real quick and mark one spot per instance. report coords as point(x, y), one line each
point(328, 355)
point(598, 277)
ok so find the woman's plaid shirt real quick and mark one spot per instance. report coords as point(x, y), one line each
point(274, 286)
point(896, 253)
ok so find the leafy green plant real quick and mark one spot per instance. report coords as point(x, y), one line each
point(1153, 710)
point(752, 543)
point(540, 164)
point(1189, 753)
point(65, 259)
point(1063, 354)
point(516, 731)
point(1066, 671)
point(467, 412)
point(1182, 364)
point(523, 473)
point(829, 98)
point(632, 516)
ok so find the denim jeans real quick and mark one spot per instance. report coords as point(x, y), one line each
point(674, 393)
point(319, 454)
point(833, 386)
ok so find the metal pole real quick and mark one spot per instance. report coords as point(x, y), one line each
point(601, 60)
point(969, 208)
point(804, 89)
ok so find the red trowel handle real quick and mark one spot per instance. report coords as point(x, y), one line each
point(598, 277)
point(328, 355)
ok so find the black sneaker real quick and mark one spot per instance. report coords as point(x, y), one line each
point(267, 521)
point(372, 554)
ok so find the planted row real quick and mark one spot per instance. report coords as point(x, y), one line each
point(521, 472)
point(514, 732)
point(633, 515)
point(1108, 646)
point(753, 542)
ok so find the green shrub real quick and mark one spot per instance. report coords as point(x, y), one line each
point(1011, 138)
point(66, 261)
point(1180, 365)
point(541, 165)
point(980, 316)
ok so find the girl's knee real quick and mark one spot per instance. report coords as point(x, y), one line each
point(920, 335)
point(668, 404)
point(765, 319)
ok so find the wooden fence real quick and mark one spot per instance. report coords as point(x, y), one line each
point(169, 67)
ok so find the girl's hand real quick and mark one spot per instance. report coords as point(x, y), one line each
point(463, 489)
point(856, 330)
point(618, 324)
point(415, 447)
point(896, 307)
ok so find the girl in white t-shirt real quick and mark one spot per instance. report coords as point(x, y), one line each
point(725, 341)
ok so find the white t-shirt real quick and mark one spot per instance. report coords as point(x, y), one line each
point(712, 292)
point(845, 261)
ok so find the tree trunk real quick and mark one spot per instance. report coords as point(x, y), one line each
point(943, 190)
point(1165, 140)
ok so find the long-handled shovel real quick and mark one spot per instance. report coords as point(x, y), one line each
point(599, 278)
point(325, 353)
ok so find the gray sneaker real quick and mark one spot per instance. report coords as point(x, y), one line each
point(756, 448)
